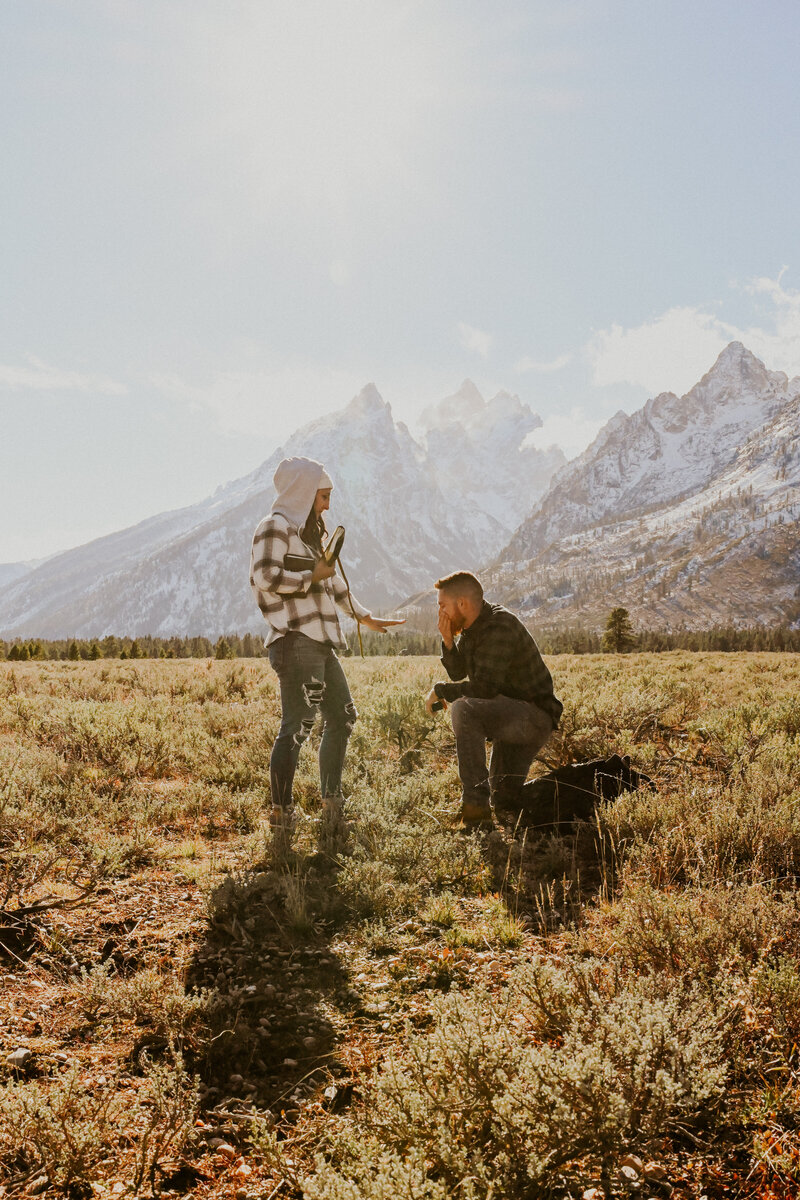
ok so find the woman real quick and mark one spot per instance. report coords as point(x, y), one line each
point(298, 594)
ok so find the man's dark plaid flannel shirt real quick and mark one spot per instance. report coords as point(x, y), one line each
point(497, 656)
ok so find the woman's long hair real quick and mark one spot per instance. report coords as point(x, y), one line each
point(313, 531)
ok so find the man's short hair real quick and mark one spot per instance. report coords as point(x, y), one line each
point(461, 583)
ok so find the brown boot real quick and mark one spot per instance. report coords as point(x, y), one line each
point(475, 816)
point(282, 823)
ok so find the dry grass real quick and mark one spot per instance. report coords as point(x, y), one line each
point(389, 1006)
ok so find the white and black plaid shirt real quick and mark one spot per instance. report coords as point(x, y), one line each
point(289, 601)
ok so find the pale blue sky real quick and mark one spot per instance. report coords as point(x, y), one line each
point(219, 219)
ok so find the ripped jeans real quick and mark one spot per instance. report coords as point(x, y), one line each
point(312, 681)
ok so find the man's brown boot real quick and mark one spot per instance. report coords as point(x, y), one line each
point(475, 816)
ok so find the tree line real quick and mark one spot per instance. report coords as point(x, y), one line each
point(618, 637)
point(232, 645)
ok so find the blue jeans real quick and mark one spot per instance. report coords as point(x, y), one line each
point(312, 681)
point(517, 730)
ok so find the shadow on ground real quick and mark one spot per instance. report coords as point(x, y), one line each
point(277, 994)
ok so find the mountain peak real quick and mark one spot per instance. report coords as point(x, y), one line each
point(467, 402)
point(738, 362)
point(469, 392)
point(508, 404)
point(369, 396)
point(666, 451)
point(506, 399)
point(733, 351)
point(369, 400)
point(736, 378)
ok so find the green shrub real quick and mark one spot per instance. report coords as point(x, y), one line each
point(401, 720)
point(168, 1109)
point(776, 986)
point(693, 932)
point(403, 848)
point(70, 1131)
point(747, 830)
point(149, 997)
point(62, 1132)
point(377, 1174)
point(567, 1065)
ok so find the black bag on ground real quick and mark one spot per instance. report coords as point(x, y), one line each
point(571, 793)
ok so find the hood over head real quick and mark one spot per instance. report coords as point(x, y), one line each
point(296, 483)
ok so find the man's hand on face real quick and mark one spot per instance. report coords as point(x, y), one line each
point(446, 629)
point(432, 699)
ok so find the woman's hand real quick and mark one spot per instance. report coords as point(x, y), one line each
point(322, 571)
point(380, 624)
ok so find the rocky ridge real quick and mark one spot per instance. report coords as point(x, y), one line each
point(685, 512)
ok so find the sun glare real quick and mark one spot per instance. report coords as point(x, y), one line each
point(321, 104)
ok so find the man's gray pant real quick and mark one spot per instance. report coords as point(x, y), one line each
point(517, 730)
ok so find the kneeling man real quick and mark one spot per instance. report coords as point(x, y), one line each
point(506, 696)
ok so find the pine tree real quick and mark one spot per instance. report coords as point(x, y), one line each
point(619, 635)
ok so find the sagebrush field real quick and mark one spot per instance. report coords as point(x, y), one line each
point(394, 1008)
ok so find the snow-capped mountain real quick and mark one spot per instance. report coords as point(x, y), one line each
point(482, 456)
point(666, 449)
point(683, 512)
point(186, 572)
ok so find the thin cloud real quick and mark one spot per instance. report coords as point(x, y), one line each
point(477, 341)
point(309, 117)
point(270, 403)
point(780, 348)
point(572, 431)
point(525, 364)
point(673, 351)
point(37, 376)
point(668, 354)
